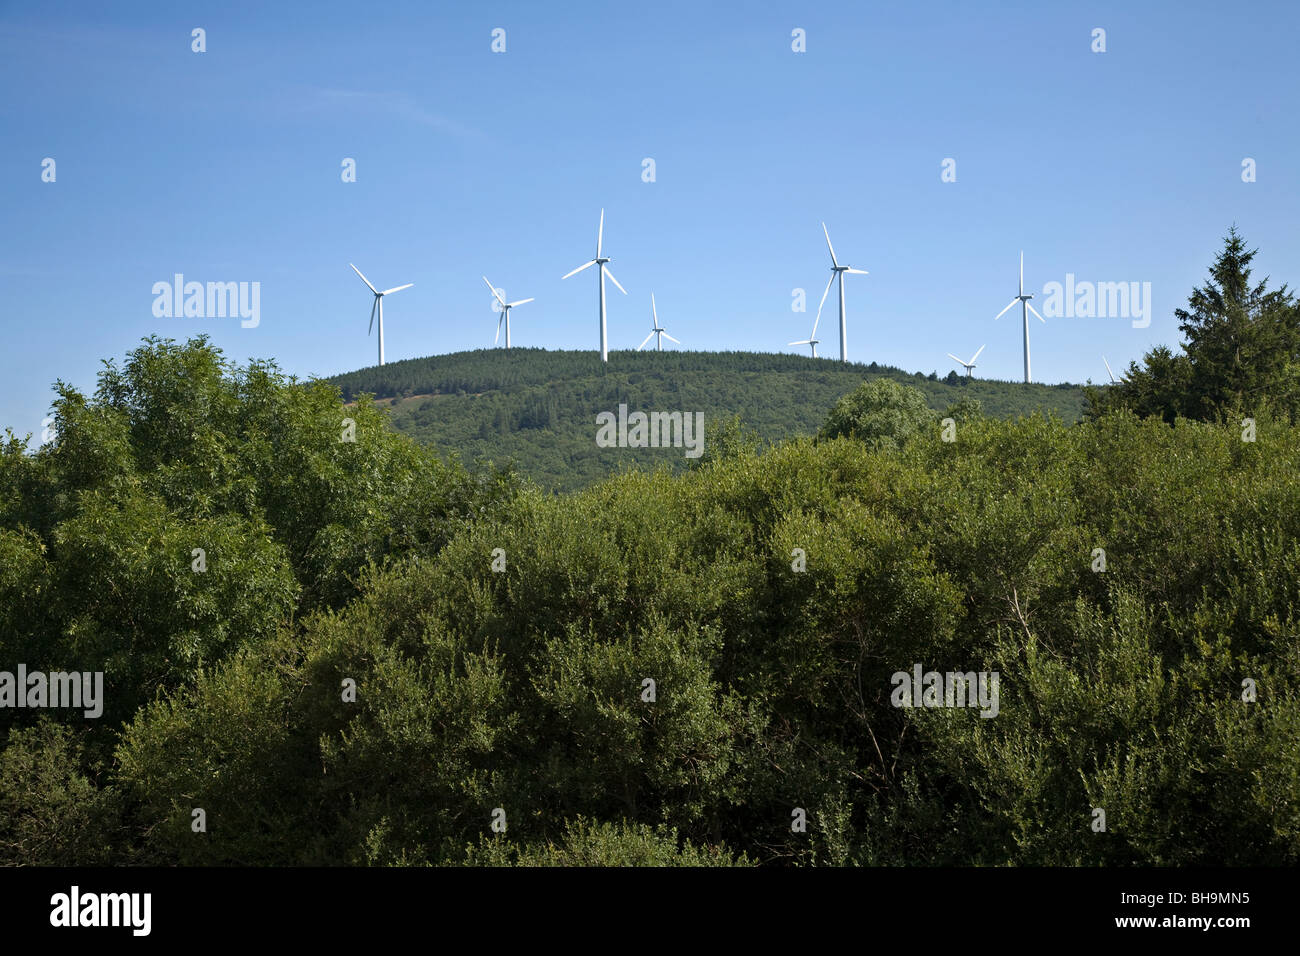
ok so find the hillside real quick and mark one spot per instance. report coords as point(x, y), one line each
point(538, 408)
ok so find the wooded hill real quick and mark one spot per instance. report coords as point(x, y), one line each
point(538, 408)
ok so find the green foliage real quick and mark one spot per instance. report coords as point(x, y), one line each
point(883, 414)
point(965, 409)
point(602, 844)
point(188, 513)
point(523, 689)
point(143, 616)
point(222, 744)
point(537, 408)
point(51, 811)
point(727, 439)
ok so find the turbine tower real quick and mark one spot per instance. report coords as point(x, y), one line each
point(600, 260)
point(657, 330)
point(836, 270)
point(1025, 309)
point(505, 312)
point(969, 365)
point(379, 306)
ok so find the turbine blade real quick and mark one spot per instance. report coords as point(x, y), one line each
point(1035, 311)
point(1004, 311)
point(373, 306)
point(976, 355)
point(671, 339)
point(500, 320)
point(397, 289)
point(495, 294)
point(653, 310)
point(520, 302)
point(647, 339)
point(830, 247)
point(803, 342)
point(858, 272)
point(364, 279)
point(823, 302)
point(1022, 271)
point(605, 269)
point(579, 269)
point(955, 359)
point(600, 233)
point(1108, 371)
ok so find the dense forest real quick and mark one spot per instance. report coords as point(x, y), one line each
point(324, 643)
point(536, 409)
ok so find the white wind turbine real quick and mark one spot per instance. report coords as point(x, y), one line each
point(1113, 379)
point(969, 365)
point(505, 312)
point(657, 330)
point(1025, 309)
point(836, 270)
point(379, 305)
point(600, 260)
point(812, 339)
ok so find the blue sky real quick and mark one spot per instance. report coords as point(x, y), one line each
point(225, 166)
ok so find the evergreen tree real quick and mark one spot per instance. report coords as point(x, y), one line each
point(1242, 339)
point(1243, 344)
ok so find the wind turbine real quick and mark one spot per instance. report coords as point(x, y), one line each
point(1025, 309)
point(505, 312)
point(379, 305)
point(969, 365)
point(812, 339)
point(657, 330)
point(1113, 379)
point(836, 270)
point(600, 260)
